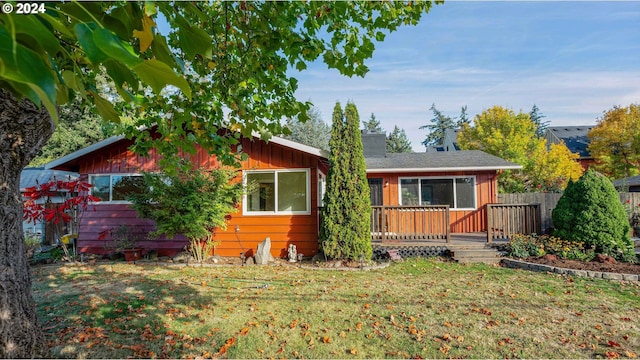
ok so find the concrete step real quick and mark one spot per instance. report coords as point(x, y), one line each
point(479, 260)
point(484, 255)
point(468, 253)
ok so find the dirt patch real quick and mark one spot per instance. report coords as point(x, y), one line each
point(617, 267)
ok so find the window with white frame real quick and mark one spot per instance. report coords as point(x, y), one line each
point(277, 192)
point(457, 192)
point(116, 187)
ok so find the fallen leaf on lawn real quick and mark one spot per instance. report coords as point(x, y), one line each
point(612, 355)
point(326, 340)
point(353, 351)
point(367, 306)
point(244, 331)
point(359, 326)
point(631, 354)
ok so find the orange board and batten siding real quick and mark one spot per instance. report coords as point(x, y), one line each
point(461, 221)
point(243, 233)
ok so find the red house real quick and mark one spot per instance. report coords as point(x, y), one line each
point(461, 183)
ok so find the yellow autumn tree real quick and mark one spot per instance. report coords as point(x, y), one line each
point(501, 132)
point(615, 142)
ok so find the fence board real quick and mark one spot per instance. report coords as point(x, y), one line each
point(506, 220)
point(548, 202)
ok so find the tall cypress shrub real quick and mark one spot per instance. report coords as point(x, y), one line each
point(346, 217)
point(590, 212)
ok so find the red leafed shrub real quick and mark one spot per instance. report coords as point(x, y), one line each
point(75, 197)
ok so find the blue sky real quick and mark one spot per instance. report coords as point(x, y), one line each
point(574, 60)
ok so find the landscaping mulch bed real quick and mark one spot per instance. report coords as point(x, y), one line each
point(602, 264)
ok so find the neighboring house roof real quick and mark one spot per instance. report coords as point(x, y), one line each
point(472, 160)
point(574, 137)
point(31, 177)
point(114, 139)
point(450, 142)
point(627, 182)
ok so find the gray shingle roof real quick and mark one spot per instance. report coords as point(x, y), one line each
point(438, 162)
point(574, 137)
point(32, 176)
point(629, 181)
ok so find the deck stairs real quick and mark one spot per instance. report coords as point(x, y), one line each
point(486, 255)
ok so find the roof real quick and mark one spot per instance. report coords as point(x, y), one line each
point(33, 176)
point(574, 137)
point(114, 139)
point(626, 182)
point(451, 136)
point(464, 160)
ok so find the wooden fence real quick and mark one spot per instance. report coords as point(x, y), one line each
point(506, 220)
point(548, 202)
point(410, 222)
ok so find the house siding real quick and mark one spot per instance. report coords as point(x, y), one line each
point(461, 221)
point(301, 230)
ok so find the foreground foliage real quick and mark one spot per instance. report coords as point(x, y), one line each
point(590, 212)
point(418, 308)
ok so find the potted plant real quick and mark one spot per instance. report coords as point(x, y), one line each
point(126, 242)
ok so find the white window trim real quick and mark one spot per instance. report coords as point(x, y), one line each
point(452, 178)
point(111, 187)
point(307, 172)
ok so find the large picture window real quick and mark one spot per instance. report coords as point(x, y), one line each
point(277, 192)
point(115, 188)
point(457, 192)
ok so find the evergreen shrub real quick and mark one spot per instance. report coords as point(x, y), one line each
point(590, 212)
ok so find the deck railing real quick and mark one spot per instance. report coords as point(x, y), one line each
point(506, 220)
point(410, 222)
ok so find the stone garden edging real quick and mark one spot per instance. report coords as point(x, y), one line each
point(519, 264)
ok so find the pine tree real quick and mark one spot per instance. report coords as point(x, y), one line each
point(536, 117)
point(397, 141)
point(372, 125)
point(440, 123)
point(346, 223)
point(313, 132)
point(463, 119)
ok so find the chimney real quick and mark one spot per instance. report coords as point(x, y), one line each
point(374, 144)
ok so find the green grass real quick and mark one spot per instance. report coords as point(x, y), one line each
point(418, 308)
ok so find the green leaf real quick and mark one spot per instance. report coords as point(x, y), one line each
point(73, 81)
point(105, 108)
point(193, 41)
point(380, 36)
point(161, 51)
point(121, 74)
point(84, 33)
point(27, 72)
point(55, 24)
point(158, 74)
point(32, 27)
point(111, 45)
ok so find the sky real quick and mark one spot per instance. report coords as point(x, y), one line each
point(573, 59)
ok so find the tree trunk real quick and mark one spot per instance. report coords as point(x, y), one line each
point(23, 131)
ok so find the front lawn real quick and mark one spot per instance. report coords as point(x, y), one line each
point(418, 309)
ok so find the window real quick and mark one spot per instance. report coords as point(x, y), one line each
point(277, 192)
point(457, 192)
point(115, 188)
